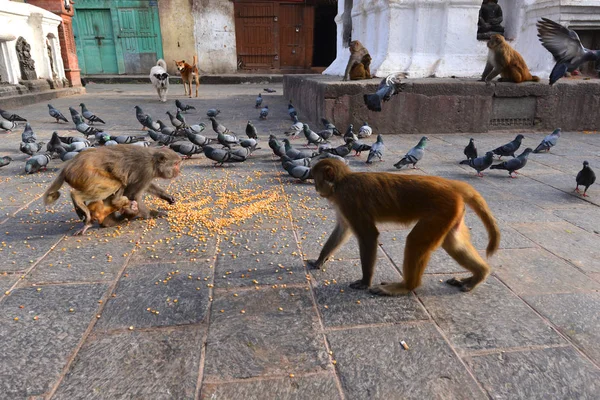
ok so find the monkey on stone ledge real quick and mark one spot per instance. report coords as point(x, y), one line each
point(359, 63)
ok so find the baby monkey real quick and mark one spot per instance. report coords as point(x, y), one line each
point(101, 209)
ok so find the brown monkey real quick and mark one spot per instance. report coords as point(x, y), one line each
point(99, 210)
point(129, 170)
point(506, 61)
point(436, 204)
point(361, 70)
point(358, 54)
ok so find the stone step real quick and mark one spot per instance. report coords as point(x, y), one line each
point(224, 79)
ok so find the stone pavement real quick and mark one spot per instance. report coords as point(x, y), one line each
point(215, 302)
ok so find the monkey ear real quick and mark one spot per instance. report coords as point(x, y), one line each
point(160, 157)
point(329, 174)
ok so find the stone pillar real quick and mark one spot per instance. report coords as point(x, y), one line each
point(9, 65)
point(65, 33)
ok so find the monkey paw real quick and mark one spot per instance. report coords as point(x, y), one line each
point(465, 284)
point(313, 264)
point(389, 289)
point(359, 285)
point(170, 199)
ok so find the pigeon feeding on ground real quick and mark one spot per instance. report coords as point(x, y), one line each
point(376, 150)
point(71, 139)
point(197, 139)
point(480, 164)
point(414, 155)
point(548, 142)
point(126, 139)
point(342, 150)
point(294, 153)
point(28, 135)
point(4, 161)
point(365, 131)
point(213, 112)
point(84, 128)
point(325, 134)
point(166, 130)
point(514, 164)
point(144, 119)
point(389, 86)
point(174, 121)
point(586, 177)
point(565, 46)
point(220, 156)
point(219, 128)
point(196, 128)
point(264, 113)
point(510, 148)
point(359, 147)
point(37, 163)
point(54, 144)
point(183, 107)
point(350, 136)
point(470, 150)
point(311, 136)
point(31, 148)
point(277, 147)
point(251, 131)
point(328, 125)
point(186, 149)
point(162, 139)
point(295, 129)
point(66, 155)
point(259, 101)
point(87, 114)
point(7, 126)
point(251, 144)
point(227, 140)
point(181, 119)
point(7, 115)
point(300, 172)
point(292, 111)
point(54, 113)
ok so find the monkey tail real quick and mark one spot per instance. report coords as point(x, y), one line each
point(52, 194)
point(535, 78)
point(478, 204)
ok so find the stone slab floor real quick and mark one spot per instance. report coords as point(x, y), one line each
point(215, 302)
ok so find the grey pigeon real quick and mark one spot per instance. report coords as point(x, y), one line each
point(470, 150)
point(28, 135)
point(359, 147)
point(277, 147)
point(213, 112)
point(31, 148)
point(54, 113)
point(389, 86)
point(321, 156)
point(259, 100)
point(227, 140)
point(145, 119)
point(241, 154)
point(295, 129)
point(292, 110)
point(350, 136)
point(66, 155)
point(514, 164)
point(84, 128)
point(54, 144)
point(76, 146)
point(586, 177)
point(269, 90)
point(7, 126)
point(111, 143)
point(126, 139)
point(294, 153)
point(325, 134)
point(342, 150)
point(305, 162)
point(160, 138)
point(365, 131)
point(197, 139)
point(4, 161)
point(329, 126)
point(87, 114)
point(219, 128)
point(565, 46)
point(186, 149)
point(196, 128)
point(251, 131)
point(174, 121)
point(548, 142)
point(166, 130)
point(376, 150)
point(264, 113)
point(71, 139)
point(7, 115)
point(510, 148)
point(75, 115)
point(311, 136)
point(480, 164)
point(297, 171)
point(249, 143)
point(37, 163)
point(221, 156)
point(181, 119)
point(183, 107)
point(141, 144)
point(414, 155)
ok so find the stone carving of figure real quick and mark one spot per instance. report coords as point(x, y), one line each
point(26, 63)
point(49, 49)
point(490, 19)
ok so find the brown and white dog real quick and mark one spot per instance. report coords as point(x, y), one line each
point(189, 72)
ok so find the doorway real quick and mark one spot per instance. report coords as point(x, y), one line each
point(325, 36)
point(97, 53)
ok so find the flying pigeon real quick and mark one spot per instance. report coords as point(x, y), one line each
point(514, 164)
point(7, 115)
point(264, 112)
point(251, 131)
point(470, 150)
point(28, 135)
point(54, 113)
point(390, 85)
point(89, 115)
point(311, 136)
point(376, 150)
point(183, 107)
point(565, 46)
point(7, 126)
point(213, 112)
point(586, 177)
point(37, 163)
point(4, 161)
point(548, 142)
point(414, 155)
point(186, 149)
point(365, 131)
point(259, 100)
point(480, 164)
point(510, 148)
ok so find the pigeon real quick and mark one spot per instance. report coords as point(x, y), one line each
point(565, 46)
point(7, 115)
point(126, 139)
point(160, 138)
point(277, 147)
point(249, 143)
point(321, 156)
point(269, 90)
point(297, 171)
point(183, 107)
point(174, 121)
point(376, 150)
point(509, 148)
point(295, 129)
point(66, 155)
point(342, 150)
point(548, 142)
point(37, 163)
point(359, 147)
point(414, 155)
point(75, 115)
point(259, 100)
point(514, 164)
point(197, 139)
point(325, 134)
point(218, 128)
point(294, 153)
point(28, 135)
point(84, 128)
point(7, 126)
point(196, 128)
point(54, 113)
point(586, 177)
point(227, 140)
point(145, 119)
point(87, 114)
point(186, 149)
point(76, 146)
point(111, 143)
point(390, 85)
point(305, 162)
point(264, 112)
point(141, 144)
point(350, 136)
point(311, 136)
point(181, 119)
point(221, 156)
point(213, 112)
point(329, 126)
point(365, 131)
point(54, 144)
point(292, 110)
point(71, 139)
point(470, 151)
point(480, 164)
point(166, 130)
point(251, 131)
point(240, 155)
point(4, 161)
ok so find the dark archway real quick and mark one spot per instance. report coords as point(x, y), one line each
point(325, 35)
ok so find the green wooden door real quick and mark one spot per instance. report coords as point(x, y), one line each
point(95, 42)
point(141, 45)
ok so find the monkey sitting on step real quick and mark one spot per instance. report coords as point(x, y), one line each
point(436, 204)
point(505, 61)
point(359, 63)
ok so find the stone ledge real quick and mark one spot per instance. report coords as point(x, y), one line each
point(447, 105)
point(14, 99)
point(226, 79)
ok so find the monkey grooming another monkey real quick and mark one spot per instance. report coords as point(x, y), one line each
point(359, 64)
point(505, 61)
point(437, 205)
point(127, 170)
